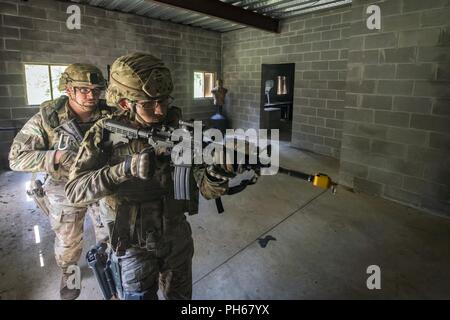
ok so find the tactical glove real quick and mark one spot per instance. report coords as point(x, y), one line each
point(141, 165)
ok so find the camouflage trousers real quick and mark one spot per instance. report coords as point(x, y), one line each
point(144, 272)
point(67, 221)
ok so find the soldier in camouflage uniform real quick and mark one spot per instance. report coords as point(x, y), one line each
point(44, 146)
point(150, 239)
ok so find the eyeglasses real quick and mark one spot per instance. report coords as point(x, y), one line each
point(151, 104)
point(86, 91)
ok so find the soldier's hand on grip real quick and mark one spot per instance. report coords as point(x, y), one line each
point(141, 165)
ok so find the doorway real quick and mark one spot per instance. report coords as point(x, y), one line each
point(277, 98)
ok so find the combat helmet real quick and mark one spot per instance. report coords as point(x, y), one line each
point(138, 76)
point(81, 75)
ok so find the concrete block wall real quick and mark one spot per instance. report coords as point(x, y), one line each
point(35, 32)
point(317, 44)
point(396, 139)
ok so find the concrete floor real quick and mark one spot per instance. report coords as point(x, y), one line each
point(324, 244)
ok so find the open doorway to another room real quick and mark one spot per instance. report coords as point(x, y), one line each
point(277, 96)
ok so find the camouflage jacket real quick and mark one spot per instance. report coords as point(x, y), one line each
point(34, 147)
point(99, 172)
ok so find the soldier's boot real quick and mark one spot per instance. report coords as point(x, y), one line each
point(64, 292)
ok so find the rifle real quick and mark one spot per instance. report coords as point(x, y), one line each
point(160, 137)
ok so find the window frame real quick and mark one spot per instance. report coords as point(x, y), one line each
point(203, 72)
point(49, 69)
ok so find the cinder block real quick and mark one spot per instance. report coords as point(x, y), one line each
point(436, 54)
point(388, 148)
point(409, 167)
point(318, 84)
point(426, 188)
point(438, 173)
point(338, 65)
point(5, 114)
point(320, 46)
point(426, 154)
point(9, 32)
point(416, 5)
point(384, 71)
point(439, 141)
point(384, 40)
point(326, 113)
point(385, 177)
point(33, 12)
point(336, 85)
point(298, 25)
point(443, 72)
point(333, 123)
point(395, 87)
point(281, 41)
point(23, 113)
point(329, 75)
point(396, 119)
point(327, 94)
point(311, 75)
point(401, 55)
point(401, 22)
point(367, 57)
point(333, 143)
point(313, 23)
point(441, 107)
point(326, 132)
point(366, 86)
point(332, 19)
point(8, 8)
point(412, 104)
point(296, 39)
point(312, 56)
point(28, 34)
point(415, 71)
point(419, 38)
point(310, 37)
point(4, 92)
point(339, 44)
point(320, 65)
point(331, 35)
point(402, 195)
point(359, 115)
point(377, 102)
point(355, 143)
point(432, 89)
point(11, 79)
point(307, 129)
point(307, 111)
point(366, 186)
point(432, 123)
point(20, 22)
point(436, 17)
point(408, 136)
point(355, 169)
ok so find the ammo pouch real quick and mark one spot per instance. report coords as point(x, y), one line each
point(37, 193)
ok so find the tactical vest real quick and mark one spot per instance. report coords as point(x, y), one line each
point(51, 112)
point(145, 211)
